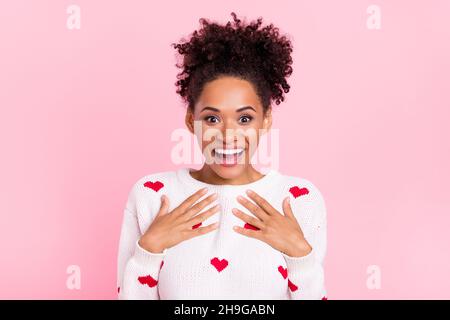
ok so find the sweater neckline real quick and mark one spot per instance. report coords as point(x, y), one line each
point(186, 177)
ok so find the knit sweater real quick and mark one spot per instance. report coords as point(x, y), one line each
point(221, 264)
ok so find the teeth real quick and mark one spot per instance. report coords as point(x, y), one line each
point(228, 151)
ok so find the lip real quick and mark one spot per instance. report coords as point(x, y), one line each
point(228, 157)
point(228, 151)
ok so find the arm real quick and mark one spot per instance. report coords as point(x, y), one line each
point(306, 274)
point(138, 269)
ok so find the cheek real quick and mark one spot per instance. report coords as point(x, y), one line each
point(207, 135)
point(253, 133)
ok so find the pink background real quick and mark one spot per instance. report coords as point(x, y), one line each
point(87, 112)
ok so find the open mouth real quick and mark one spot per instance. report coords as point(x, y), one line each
point(227, 157)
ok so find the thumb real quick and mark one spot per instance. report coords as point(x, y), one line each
point(287, 208)
point(164, 205)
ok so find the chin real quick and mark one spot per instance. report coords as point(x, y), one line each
point(229, 163)
point(228, 172)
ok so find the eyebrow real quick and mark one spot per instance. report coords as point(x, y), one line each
point(238, 110)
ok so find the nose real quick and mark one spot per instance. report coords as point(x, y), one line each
point(229, 138)
point(229, 135)
point(227, 141)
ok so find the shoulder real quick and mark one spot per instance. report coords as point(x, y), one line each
point(304, 193)
point(149, 186)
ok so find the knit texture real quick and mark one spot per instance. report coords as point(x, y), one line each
point(221, 264)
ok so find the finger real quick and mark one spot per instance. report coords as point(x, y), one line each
point(202, 230)
point(164, 205)
point(248, 232)
point(200, 205)
point(255, 209)
point(246, 218)
point(204, 215)
point(287, 208)
point(260, 201)
point(189, 201)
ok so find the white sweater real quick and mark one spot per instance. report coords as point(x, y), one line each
point(221, 264)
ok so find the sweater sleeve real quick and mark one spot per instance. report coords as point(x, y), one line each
point(138, 269)
point(306, 274)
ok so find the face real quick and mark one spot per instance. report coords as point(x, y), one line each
point(228, 120)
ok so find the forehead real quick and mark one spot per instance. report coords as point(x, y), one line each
point(228, 92)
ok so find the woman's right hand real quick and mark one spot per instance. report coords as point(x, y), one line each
point(169, 229)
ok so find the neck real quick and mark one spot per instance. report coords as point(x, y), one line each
point(207, 175)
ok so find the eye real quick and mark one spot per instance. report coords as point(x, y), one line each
point(245, 119)
point(212, 119)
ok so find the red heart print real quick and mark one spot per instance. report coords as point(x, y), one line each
point(196, 225)
point(162, 263)
point(292, 286)
point(219, 264)
point(250, 226)
point(148, 280)
point(156, 186)
point(324, 298)
point(297, 192)
point(283, 271)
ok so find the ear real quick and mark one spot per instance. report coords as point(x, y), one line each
point(189, 120)
point(268, 119)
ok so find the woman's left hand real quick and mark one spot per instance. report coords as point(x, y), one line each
point(281, 232)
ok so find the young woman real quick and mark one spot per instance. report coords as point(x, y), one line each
point(226, 231)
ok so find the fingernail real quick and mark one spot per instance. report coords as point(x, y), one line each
point(249, 192)
point(240, 197)
point(288, 199)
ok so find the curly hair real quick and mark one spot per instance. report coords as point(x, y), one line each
point(259, 55)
